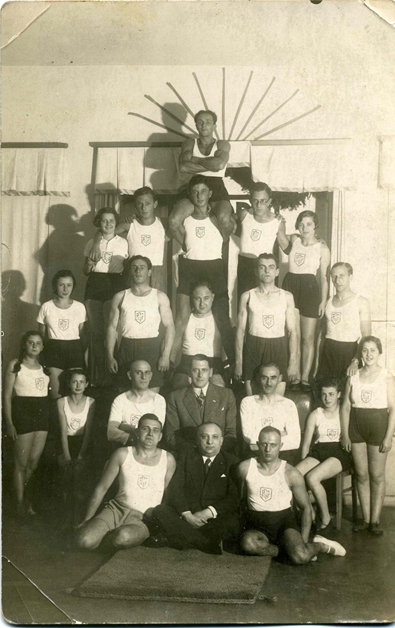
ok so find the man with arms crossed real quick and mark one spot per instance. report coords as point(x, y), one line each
point(143, 473)
point(271, 485)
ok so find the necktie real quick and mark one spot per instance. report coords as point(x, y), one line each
point(207, 464)
point(200, 399)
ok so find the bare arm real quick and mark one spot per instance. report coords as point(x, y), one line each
point(63, 429)
point(8, 388)
point(168, 323)
point(299, 492)
point(111, 335)
point(366, 330)
point(345, 417)
point(247, 424)
point(282, 237)
point(42, 329)
point(290, 321)
point(387, 442)
point(308, 435)
point(171, 467)
point(88, 266)
point(186, 161)
point(324, 265)
point(292, 427)
point(114, 430)
point(88, 429)
point(193, 165)
point(110, 472)
point(240, 333)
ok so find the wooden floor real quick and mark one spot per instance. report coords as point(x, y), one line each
point(39, 565)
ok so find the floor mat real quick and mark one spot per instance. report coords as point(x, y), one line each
point(143, 573)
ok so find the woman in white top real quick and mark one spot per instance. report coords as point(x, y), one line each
point(308, 257)
point(105, 279)
point(322, 456)
point(26, 411)
point(76, 412)
point(368, 423)
point(61, 321)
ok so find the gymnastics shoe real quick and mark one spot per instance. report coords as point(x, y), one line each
point(361, 527)
point(339, 549)
point(374, 528)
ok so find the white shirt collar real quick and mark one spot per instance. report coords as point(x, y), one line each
point(197, 390)
point(212, 458)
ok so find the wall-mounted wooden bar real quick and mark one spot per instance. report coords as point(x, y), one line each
point(335, 140)
point(34, 145)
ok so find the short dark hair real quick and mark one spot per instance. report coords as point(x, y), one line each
point(200, 357)
point(198, 284)
point(267, 256)
point(105, 210)
point(346, 264)
point(212, 114)
point(366, 339)
point(260, 187)
point(74, 371)
point(151, 416)
point(145, 259)
point(306, 214)
point(144, 190)
point(269, 428)
point(196, 179)
point(329, 382)
point(59, 275)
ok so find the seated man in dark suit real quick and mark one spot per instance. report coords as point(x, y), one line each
point(203, 499)
point(199, 403)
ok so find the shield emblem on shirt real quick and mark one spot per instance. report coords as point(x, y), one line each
point(268, 320)
point(39, 381)
point(63, 324)
point(333, 434)
point(106, 256)
point(366, 395)
point(336, 317)
point(146, 240)
point(299, 258)
point(134, 419)
point(143, 481)
point(267, 421)
point(139, 316)
point(255, 235)
point(265, 493)
point(200, 231)
point(200, 333)
point(75, 424)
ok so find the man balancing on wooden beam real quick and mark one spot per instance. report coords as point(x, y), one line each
point(143, 474)
point(270, 485)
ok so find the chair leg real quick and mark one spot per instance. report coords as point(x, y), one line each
point(339, 500)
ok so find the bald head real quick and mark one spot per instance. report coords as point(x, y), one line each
point(209, 439)
point(140, 374)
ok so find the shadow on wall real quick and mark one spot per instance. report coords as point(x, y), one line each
point(63, 249)
point(17, 315)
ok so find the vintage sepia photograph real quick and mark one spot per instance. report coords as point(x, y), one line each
point(198, 312)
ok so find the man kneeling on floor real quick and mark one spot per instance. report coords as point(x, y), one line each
point(270, 485)
point(202, 500)
point(143, 473)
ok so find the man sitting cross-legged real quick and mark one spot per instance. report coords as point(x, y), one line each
point(203, 499)
point(270, 486)
point(143, 473)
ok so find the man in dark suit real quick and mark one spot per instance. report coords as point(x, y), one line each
point(199, 403)
point(202, 503)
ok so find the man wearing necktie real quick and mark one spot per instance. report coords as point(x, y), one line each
point(201, 507)
point(199, 403)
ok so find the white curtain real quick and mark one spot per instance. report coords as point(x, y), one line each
point(35, 171)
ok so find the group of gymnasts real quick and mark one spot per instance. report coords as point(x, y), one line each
point(130, 318)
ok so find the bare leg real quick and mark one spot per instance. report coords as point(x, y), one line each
point(376, 462)
point(37, 448)
point(298, 551)
point(90, 535)
point(181, 210)
point(324, 471)
point(22, 448)
point(298, 334)
point(128, 536)
point(54, 374)
point(307, 328)
point(360, 457)
point(256, 543)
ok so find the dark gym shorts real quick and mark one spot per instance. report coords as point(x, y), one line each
point(186, 362)
point(30, 414)
point(217, 185)
point(323, 451)
point(103, 286)
point(246, 276)
point(368, 425)
point(336, 357)
point(306, 293)
point(272, 524)
point(148, 349)
point(192, 270)
point(259, 351)
point(64, 354)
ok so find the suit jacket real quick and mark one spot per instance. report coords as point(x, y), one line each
point(183, 416)
point(190, 489)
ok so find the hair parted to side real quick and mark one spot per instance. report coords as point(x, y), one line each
point(22, 350)
point(105, 210)
point(260, 187)
point(60, 275)
point(346, 265)
point(148, 416)
point(366, 339)
point(196, 180)
point(212, 114)
point(200, 357)
point(307, 213)
point(267, 256)
point(136, 257)
point(329, 382)
point(74, 371)
point(144, 190)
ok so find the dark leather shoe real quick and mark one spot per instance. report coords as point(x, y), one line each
point(159, 540)
point(305, 387)
point(374, 528)
point(294, 386)
point(361, 527)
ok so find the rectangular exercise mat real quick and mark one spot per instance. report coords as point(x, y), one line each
point(166, 574)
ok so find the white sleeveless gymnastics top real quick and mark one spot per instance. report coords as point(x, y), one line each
point(326, 430)
point(76, 421)
point(267, 492)
point(203, 240)
point(342, 323)
point(304, 260)
point(31, 382)
point(140, 316)
point(202, 336)
point(265, 321)
point(147, 240)
point(141, 486)
point(113, 254)
point(372, 395)
point(257, 237)
point(208, 173)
